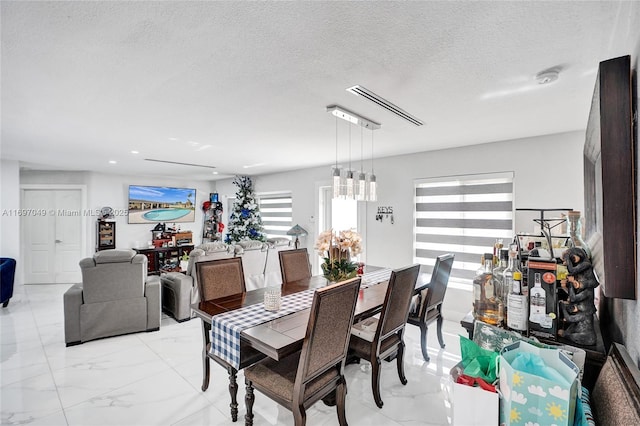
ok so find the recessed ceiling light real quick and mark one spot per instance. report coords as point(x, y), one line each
point(548, 76)
point(173, 139)
point(215, 173)
point(135, 152)
point(113, 162)
point(253, 165)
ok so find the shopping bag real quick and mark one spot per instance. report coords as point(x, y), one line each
point(536, 386)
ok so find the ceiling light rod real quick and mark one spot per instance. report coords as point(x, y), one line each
point(352, 117)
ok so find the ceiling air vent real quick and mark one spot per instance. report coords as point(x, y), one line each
point(179, 164)
point(367, 94)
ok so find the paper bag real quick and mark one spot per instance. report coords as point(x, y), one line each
point(537, 386)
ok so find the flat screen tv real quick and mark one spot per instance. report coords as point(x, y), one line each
point(154, 204)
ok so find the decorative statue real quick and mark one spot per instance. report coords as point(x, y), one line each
point(578, 310)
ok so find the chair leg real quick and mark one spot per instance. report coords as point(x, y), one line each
point(375, 380)
point(233, 391)
point(299, 415)
point(400, 361)
point(439, 328)
point(423, 341)
point(341, 394)
point(206, 370)
point(248, 402)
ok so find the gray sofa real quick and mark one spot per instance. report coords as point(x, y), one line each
point(259, 261)
point(115, 297)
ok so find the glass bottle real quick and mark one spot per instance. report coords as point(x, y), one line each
point(575, 232)
point(485, 304)
point(538, 301)
point(517, 305)
point(498, 282)
point(507, 277)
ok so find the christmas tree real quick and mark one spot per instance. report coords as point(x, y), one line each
point(245, 222)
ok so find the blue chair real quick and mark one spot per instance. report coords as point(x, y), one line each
point(7, 274)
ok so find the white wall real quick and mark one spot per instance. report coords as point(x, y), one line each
point(548, 174)
point(112, 190)
point(9, 203)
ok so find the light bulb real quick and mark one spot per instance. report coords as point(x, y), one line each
point(373, 189)
point(350, 185)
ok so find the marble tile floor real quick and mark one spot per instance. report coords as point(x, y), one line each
point(155, 378)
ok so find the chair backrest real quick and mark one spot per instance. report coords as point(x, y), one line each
point(397, 301)
point(294, 265)
point(219, 278)
point(438, 285)
point(327, 338)
point(113, 275)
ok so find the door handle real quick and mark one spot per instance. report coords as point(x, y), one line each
point(58, 241)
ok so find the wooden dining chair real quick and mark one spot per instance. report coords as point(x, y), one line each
point(294, 265)
point(317, 371)
point(219, 278)
point(428, 303)
point(375, 338)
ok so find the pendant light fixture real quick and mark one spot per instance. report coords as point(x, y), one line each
point(336, 169)
point(344, 185)
point(372, 193)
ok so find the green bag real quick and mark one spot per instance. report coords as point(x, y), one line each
point(478, 362)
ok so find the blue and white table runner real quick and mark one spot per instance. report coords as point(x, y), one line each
point(226, 327)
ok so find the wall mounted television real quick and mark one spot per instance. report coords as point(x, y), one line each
point(154, 204)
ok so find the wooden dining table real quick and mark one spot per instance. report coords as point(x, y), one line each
point(283, 336)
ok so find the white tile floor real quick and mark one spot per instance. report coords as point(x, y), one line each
point(154, 378)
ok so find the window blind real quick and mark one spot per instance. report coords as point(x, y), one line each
point(276, 211)
point(463, 215)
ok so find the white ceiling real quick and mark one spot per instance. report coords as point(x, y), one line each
point(236, 84)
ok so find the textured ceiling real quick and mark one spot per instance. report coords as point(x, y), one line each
point(246, 84)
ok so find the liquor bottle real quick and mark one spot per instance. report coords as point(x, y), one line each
point(496, 251)
point(501, 291)
point(575, 232)
point(517, 305)
point(538, 301)
point(507, 277)
point(485, 305)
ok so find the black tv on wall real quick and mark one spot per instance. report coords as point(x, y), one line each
point(154, 204)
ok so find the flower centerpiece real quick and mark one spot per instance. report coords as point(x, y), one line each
point(337, 249)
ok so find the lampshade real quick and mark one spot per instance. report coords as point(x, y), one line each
point(298, 231)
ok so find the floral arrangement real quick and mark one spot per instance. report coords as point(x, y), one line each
point(337, 249)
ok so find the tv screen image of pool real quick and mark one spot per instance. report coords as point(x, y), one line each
point(153, 204)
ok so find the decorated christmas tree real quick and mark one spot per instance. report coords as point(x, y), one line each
point(245, 222)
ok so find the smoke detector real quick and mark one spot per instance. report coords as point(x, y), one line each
point(548, 76)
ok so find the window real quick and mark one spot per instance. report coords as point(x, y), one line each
point(463, 215)
point(276, 211)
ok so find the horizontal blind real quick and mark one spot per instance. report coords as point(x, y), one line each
point(463, 215)
point(276, 211)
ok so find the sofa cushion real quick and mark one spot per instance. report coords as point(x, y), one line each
point(214, 246)
point(114, 256)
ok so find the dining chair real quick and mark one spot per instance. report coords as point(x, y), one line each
point(428, 303)
point(219, 278)
point(317, 371)
point(294, 265)
point(375, 338)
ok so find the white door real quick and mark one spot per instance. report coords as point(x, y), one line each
point(52, 235)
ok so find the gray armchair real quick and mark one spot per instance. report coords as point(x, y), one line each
point(115, 297)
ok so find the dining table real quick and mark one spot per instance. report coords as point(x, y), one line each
point(284, 335)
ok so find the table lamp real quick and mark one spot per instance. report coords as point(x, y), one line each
point(298, 231)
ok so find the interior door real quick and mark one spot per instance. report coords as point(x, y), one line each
point(52, 235)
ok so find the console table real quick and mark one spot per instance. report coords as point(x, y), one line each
point(596, 355)
point(160, 256)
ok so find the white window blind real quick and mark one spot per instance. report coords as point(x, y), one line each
point(463, 215)
point(276, 211)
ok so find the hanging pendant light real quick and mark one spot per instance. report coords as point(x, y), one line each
point(336, 170)
point(361, 184)
point(349, 193)
point(373, 185)
point(344, 185)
